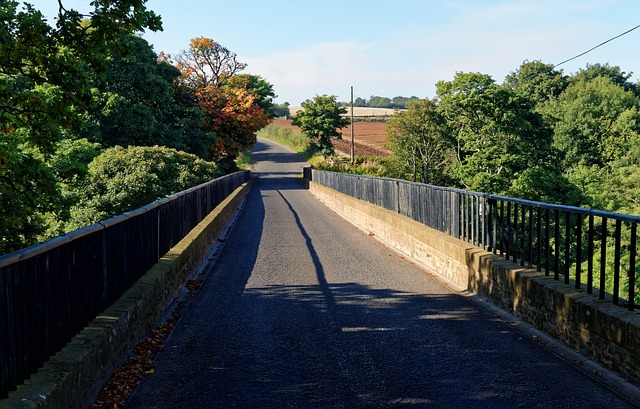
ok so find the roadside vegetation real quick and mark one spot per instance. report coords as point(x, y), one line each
point(539, 135)
point(296, 140)
point(94, 123)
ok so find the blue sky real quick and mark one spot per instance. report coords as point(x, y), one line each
point(400, 47)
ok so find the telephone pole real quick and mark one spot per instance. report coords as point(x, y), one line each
point(353, 145)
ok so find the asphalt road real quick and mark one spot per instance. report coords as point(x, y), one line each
point(302, 310)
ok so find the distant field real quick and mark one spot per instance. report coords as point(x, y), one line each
point(357, 111)
point(369, 137)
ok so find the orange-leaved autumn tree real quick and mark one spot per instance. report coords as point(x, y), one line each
point(230, 105)
point(232, 113)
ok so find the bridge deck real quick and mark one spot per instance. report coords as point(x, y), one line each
point(302, 310)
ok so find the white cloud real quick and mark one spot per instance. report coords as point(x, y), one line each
point(492, 39)
point(317, 69)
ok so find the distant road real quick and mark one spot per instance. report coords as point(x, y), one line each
point(302, 310)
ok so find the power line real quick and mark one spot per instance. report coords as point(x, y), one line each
point(580, 55)
point(599, 45)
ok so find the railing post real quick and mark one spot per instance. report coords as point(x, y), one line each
point(539, 241)
point(493, 223)
point(547, 256)
point(556, 258)
point(616, 262)
point(590, 256)
point(632, 267)
point(603, 259)
point(567, 248)
point(578, 251)
point(516, 246)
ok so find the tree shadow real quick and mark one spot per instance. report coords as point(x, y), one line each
point(263, 152)
point(269, 179)
point(346, 344)
point(349, 345)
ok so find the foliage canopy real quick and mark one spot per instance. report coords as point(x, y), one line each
point(320, 120)
point(89, 82)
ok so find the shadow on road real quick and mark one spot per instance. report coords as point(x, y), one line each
point(344, 344)
point(322, 280)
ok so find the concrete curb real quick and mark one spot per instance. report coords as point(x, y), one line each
point(73, 377)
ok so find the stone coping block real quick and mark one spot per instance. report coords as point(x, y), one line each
point(73, 377)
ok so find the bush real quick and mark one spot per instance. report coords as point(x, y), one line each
point(124, 179)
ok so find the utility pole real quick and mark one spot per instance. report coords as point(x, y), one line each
point(353, 144)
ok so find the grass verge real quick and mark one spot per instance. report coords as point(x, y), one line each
point(296, 140)
point(244, 160)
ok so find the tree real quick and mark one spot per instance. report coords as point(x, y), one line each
point(123, 179)
point(402, 102)
point(232, 105)
point(208, 63)
point(46, 86)
point(380, 102)
point(70, 166)
point(27, 188)
point(593, 121)
point(497, 134)
point(420, 141)
point(137, 103)
point(537, 81)
point(234, 116)
point(46, 74)
point(260, 88)
point(614, 73)
point(282, 110)
point(360, 102)
point(320, 120)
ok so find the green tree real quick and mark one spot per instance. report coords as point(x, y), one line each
point(282, 110)
point(615, 187)
point(360, 102)
point(137, 104)
point(420, 142)
point(70, 166)
point(380, 102)
point(46, 82)
point(537, 81)
point(498, 136)
point(46, 74)
point(593, 121)
point(27, 189)
point(614, 73)
point(402, 102)
point(320, 120)
point(124, 179)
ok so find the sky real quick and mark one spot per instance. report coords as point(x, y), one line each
point(394, 47)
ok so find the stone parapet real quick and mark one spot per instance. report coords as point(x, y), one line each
point(606, 333)
point(73, 377)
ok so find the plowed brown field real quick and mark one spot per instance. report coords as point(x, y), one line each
point(370, 137)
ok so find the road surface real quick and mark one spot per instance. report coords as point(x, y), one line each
point(302, 310)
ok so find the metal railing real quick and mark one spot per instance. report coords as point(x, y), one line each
point(586, 248)
point(51, 291)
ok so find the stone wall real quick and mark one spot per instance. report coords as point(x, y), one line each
point(604, 332)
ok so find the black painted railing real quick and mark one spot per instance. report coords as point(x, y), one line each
point(586, 248)
point(51, 291)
